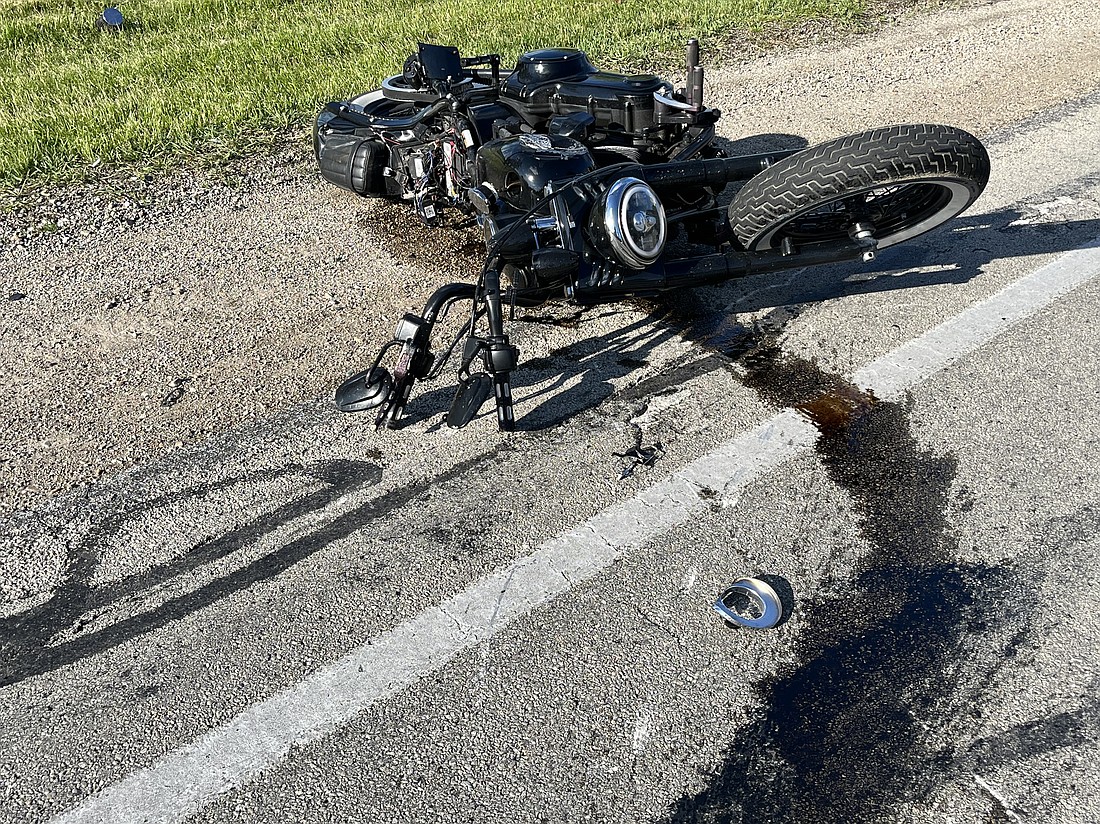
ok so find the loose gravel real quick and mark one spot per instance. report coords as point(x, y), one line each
point(141, 315)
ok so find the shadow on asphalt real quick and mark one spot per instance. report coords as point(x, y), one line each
point(581, 374)
point(28, 645)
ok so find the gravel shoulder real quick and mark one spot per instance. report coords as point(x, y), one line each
point(937, 661)
point(155, 314)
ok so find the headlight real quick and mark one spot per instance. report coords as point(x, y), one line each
point(628, 223)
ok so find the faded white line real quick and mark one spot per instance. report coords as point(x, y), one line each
point(1006, 808)
point(975, 326)
point(229, 756)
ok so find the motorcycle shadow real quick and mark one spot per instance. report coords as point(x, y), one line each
point(568, 381)
point(954, 255)
point(580, 375)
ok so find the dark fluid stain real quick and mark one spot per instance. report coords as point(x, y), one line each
point(844, 735)
point(452, 247)
point(570, 321)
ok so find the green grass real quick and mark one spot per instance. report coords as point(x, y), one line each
point(191, 78)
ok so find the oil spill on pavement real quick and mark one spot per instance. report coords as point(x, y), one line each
point(847, 730)
point(454, 250)
point(571, 321)
point(28, 640)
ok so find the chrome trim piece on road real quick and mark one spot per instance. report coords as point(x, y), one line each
point(761, 595)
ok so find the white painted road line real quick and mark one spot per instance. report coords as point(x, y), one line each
point(912, 362)
point(229, 756)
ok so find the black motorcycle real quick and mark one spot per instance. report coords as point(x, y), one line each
point(593, 187)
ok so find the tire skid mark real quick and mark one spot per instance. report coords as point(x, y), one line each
point(28, 647)
point(33, 642)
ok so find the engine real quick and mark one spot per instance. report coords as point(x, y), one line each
point(555, 83)
point(553, 117)
point(518, 169)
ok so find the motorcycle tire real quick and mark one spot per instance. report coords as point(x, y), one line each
point(903, 180)
point(376, 104)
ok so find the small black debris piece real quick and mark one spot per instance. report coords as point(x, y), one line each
point(173, 396)
point(14, 296)
point(639, 456)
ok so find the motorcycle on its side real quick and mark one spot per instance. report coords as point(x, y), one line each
point(592, 187)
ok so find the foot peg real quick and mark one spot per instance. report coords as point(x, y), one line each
point(472, 393)
point(499, 359)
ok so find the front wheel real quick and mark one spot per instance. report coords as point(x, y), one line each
point(896, 181)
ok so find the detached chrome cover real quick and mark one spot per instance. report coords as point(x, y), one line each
point(760, 594)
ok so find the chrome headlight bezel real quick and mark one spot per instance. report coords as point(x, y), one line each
point(610, 224)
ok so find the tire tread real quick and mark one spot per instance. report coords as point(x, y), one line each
point(888, 154)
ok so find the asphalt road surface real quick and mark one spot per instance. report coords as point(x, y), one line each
point(288, 616)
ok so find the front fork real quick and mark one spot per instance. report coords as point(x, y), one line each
point(389, 393)
point(498, 358)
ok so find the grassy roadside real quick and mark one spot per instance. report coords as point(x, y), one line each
point(189, 78)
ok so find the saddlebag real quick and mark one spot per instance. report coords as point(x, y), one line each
point(348, 160)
